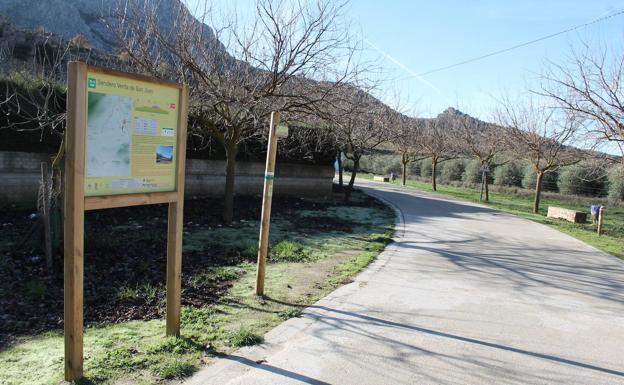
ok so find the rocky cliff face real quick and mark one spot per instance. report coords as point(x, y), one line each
point(69, 18)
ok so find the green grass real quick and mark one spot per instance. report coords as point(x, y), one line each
point(243, 337)
point(520, 202)
point(306, 264)
point(290, 251)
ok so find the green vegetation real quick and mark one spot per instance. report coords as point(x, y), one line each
point(243, 337)
point(313, 251)
point(519, 202)
point(616, 183)
point(289, 251)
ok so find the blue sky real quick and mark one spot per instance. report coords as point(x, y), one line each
point(412, 37)
point(424, 35)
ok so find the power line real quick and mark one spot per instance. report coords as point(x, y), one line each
point(598, 20)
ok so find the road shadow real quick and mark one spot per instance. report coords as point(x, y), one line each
point(274, 369)
point(354, 322)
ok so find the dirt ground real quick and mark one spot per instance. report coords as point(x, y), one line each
point(125, 259)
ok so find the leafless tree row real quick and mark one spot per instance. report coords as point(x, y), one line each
point(299, 58)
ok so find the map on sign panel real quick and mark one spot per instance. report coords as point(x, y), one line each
point(108, 135)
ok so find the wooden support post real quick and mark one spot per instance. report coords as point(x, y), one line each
point(267, 196)
point(483, 177)
point(175, 226)
point(600, 216)
point(46, 186)
point(74, 218)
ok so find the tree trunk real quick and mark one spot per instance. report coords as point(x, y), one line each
point(487, 189)
point(538, 191)
point(340, 168)
point(46, 202)
point(230, 174)
point(434, 166)
point(404, 172)
point(356, 168)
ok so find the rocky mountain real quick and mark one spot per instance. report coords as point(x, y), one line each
point(88, 18)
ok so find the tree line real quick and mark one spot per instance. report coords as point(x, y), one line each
point(302, 60)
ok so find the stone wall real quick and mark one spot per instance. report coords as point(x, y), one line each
point(20, 174)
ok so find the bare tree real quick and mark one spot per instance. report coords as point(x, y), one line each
point(283, 59)
point(360, 124)
point(405, 135)
point(483, 141)
point(591, 87)
point(33, 89)
point(439, 142)
point(539, 134)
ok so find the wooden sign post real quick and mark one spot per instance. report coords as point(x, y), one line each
point(600, 218)
point(267, 197)
point(125, 145)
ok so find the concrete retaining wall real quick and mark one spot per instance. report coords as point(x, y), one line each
point(20, 175)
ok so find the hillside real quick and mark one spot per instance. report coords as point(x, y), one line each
point(88, 18)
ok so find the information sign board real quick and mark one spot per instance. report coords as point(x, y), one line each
point(131, 135)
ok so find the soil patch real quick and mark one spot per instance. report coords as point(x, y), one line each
point(125, 261)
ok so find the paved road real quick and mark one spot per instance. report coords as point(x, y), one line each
point(466, 295)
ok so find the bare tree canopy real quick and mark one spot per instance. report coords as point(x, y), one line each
point(591, 87)
point(33, 91)
point(539, 134)
point(405, 135)
point(360, 123)
point(439, 142)
point(285, 58)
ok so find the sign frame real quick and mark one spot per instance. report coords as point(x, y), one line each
point(75, 205)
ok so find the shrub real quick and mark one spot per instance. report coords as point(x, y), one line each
point(425, 168)
point(381, 164)
point(509, 174)
point(413, 169)
point(452, 170)
point(616, 183)
point(582, 179)
point(549, 182)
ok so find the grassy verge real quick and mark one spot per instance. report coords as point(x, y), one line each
point(313, 251)
point(520, 202)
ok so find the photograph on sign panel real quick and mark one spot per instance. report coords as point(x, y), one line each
point(108, 135)
point(164, 154)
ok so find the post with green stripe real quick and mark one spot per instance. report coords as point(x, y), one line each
point(267, 196)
